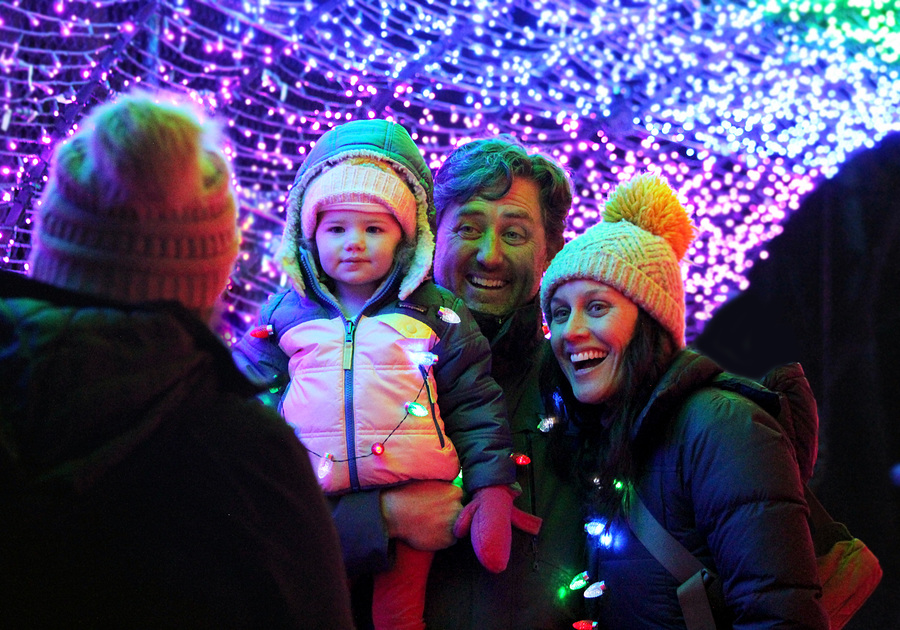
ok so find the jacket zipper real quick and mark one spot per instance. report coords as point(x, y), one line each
point(529, 449)
point(347, 364)
point(349, 419)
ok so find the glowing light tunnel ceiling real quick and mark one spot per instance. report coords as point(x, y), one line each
point(743, 106)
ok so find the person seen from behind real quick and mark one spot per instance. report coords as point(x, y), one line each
point(142, 484)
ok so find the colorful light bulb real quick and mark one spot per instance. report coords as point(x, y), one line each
point(448, 315)
point(423, 358)
point(262, 332)
point(416, 409)
point(594, 528)
point(595, 590)
point(579, 581)
point(326, 464)
point(521, 459)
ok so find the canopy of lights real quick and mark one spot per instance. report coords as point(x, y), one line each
point(743, 106)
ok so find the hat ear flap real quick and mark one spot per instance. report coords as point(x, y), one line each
point(288, 257)
point(420, 267)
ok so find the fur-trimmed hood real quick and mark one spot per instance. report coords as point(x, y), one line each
point(381, 140)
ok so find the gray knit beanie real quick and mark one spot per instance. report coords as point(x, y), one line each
point(636, 249)
point(139, 207)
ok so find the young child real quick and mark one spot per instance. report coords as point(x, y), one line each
point(363, 347)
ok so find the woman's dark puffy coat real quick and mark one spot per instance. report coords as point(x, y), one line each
point(718, 472)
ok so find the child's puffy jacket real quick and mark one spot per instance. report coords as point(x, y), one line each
point(345, 384)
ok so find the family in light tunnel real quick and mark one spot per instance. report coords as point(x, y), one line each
point(146, 485)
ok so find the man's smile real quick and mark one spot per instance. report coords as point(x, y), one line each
point(486, 283)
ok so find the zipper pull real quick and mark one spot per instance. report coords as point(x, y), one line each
point(348, 346)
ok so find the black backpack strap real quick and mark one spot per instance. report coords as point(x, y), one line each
point(681, 563)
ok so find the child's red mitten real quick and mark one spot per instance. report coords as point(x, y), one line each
point(489, 515)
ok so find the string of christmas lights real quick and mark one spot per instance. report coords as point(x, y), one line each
point(744, 106)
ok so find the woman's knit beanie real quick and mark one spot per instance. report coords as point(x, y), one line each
point(636, 249)
point(139, 207)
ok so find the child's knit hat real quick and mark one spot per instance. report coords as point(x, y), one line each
point(367, 160)
point(636, 249)
point(359, 180)
point(138, 207)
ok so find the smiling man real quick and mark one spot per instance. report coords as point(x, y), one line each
point(493, 247)
point(499, 218)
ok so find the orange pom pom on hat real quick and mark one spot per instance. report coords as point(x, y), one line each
point(636, 249)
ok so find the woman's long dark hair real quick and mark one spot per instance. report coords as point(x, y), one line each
point(602, 453)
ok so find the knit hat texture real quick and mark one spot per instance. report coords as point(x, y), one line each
point(138, 207)
point(359, 181)
point(636, 249)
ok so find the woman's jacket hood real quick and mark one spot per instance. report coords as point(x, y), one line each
point(374, 139)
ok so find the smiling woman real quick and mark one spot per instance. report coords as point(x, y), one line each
point(651, 427)
point(591, 324)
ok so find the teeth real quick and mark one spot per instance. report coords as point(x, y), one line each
point(486, 282)
point(586, 356)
